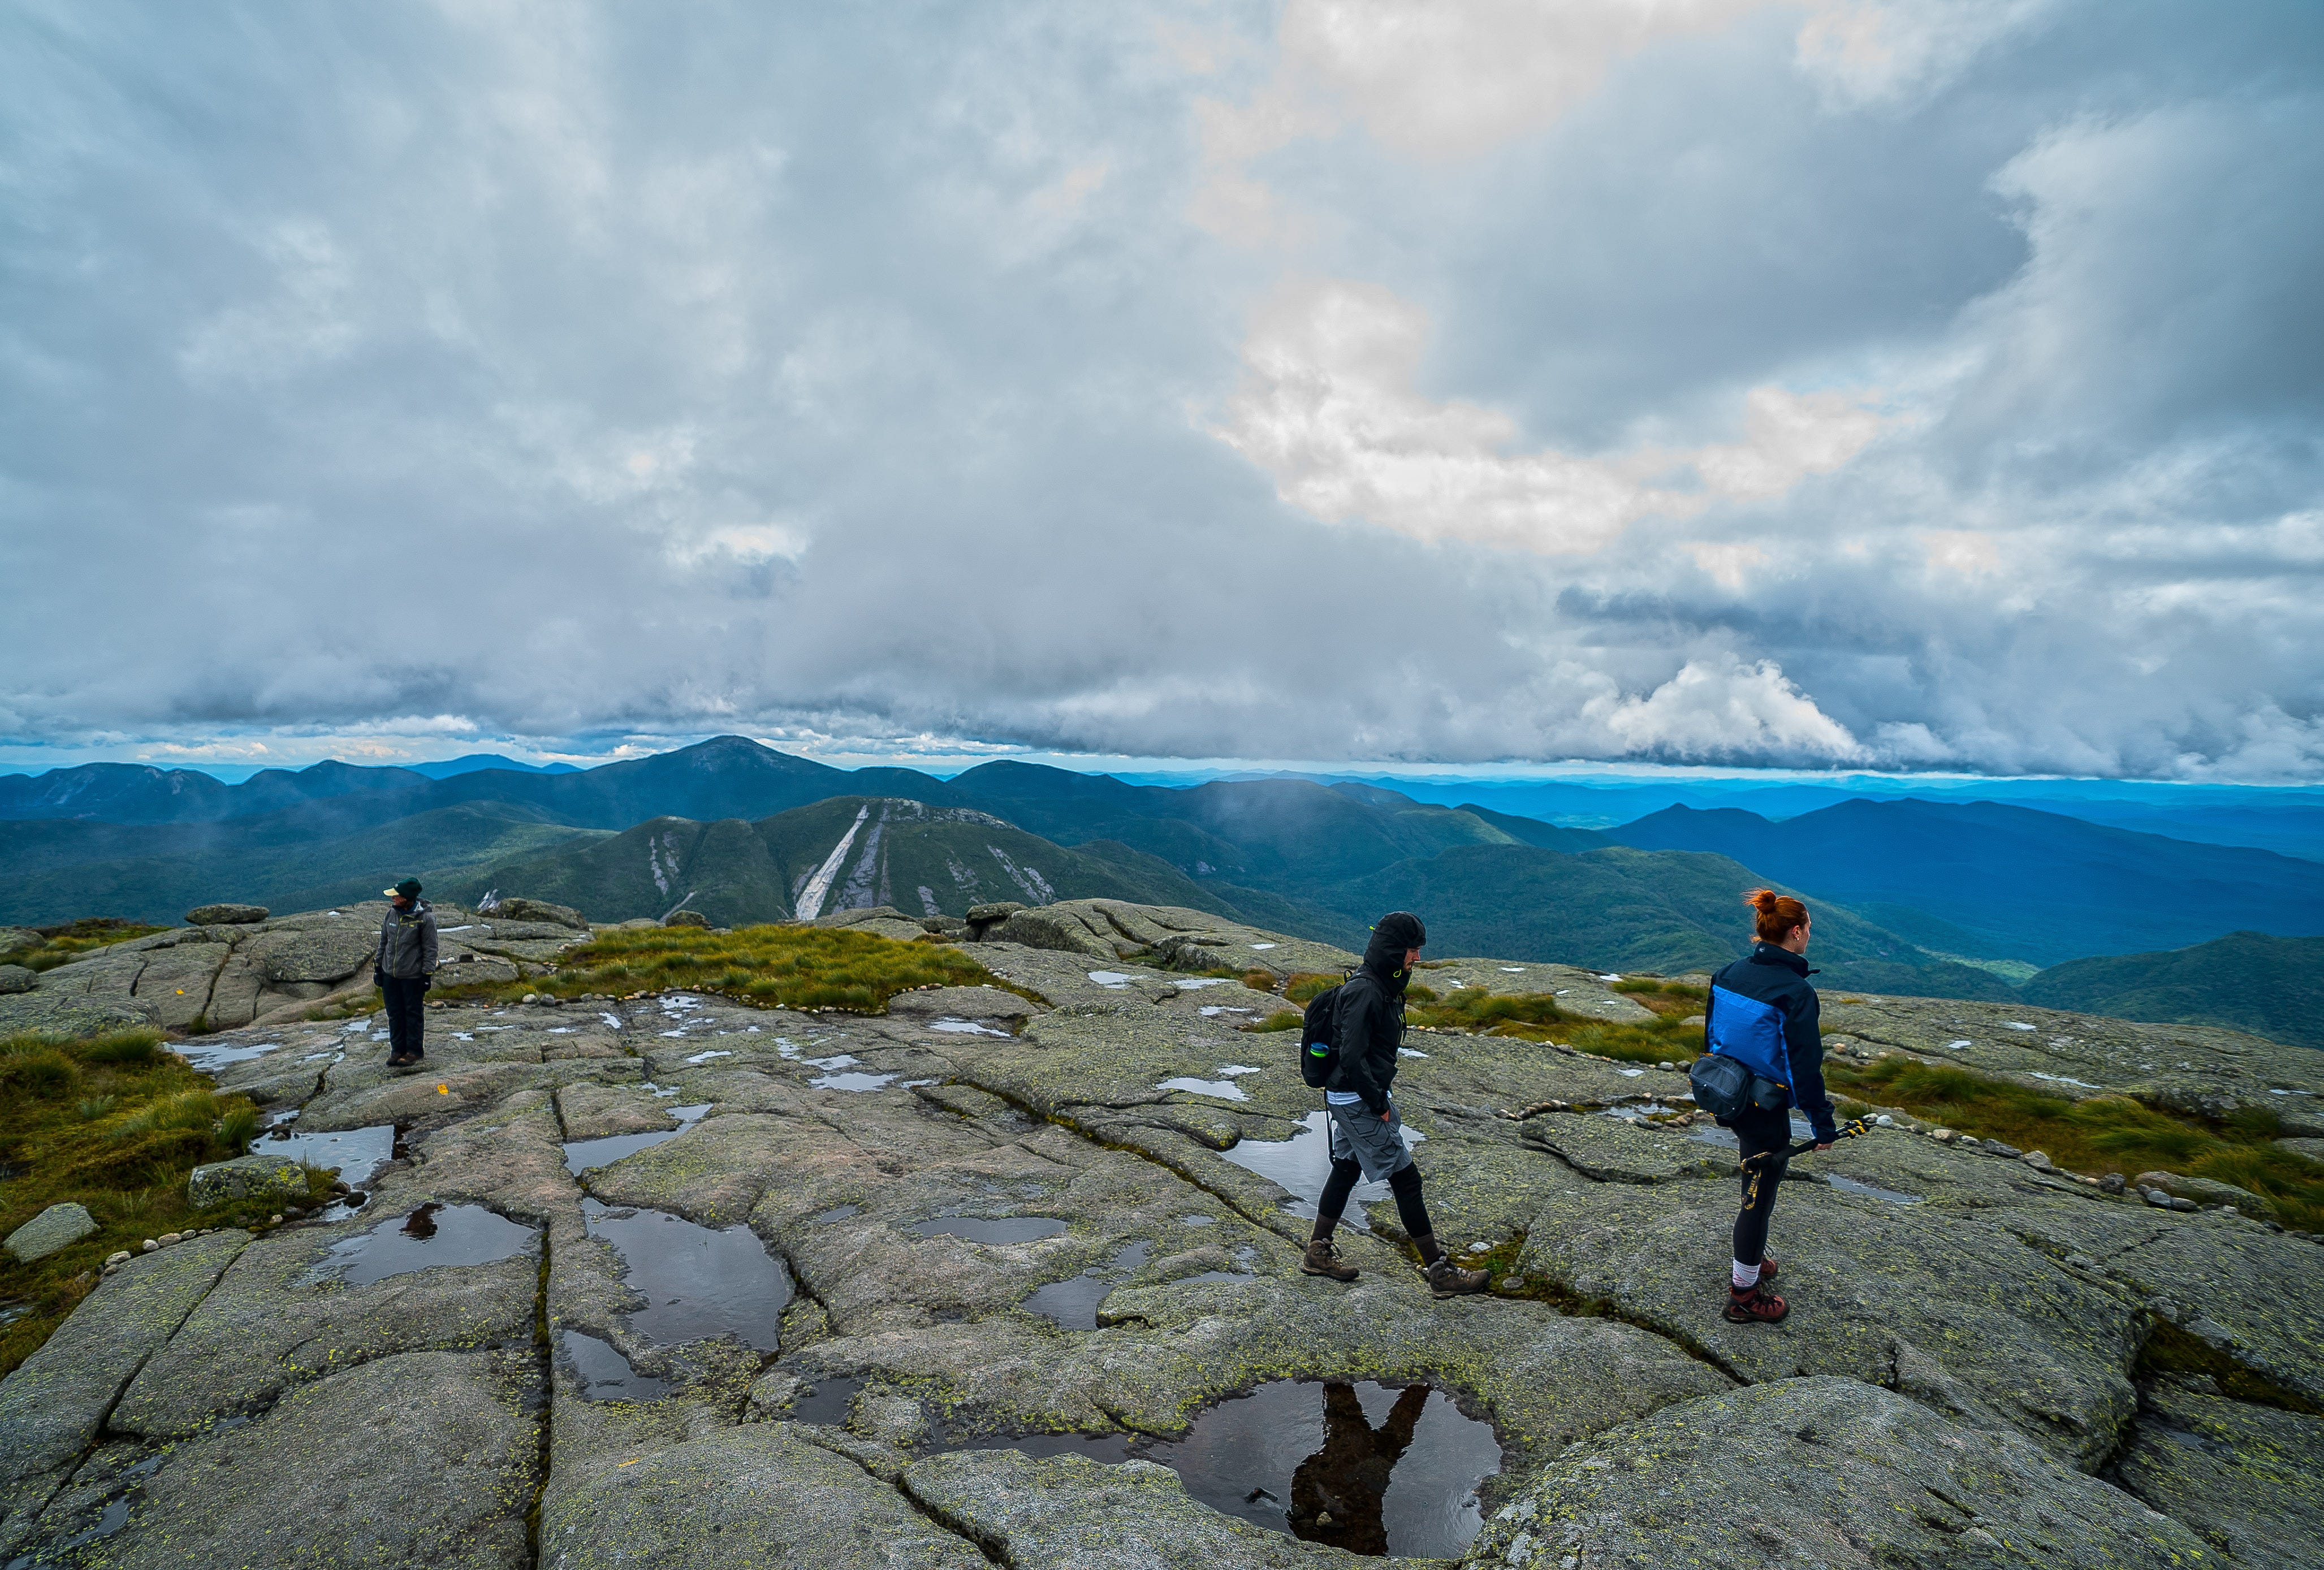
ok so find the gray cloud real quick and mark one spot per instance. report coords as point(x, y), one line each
point(1814, 387)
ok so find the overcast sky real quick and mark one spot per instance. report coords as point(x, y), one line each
point(1837, 383)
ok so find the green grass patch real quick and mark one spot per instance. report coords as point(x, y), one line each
point(115, 1124)
point(791, 967)
point(75, 940)
point(1282, 1019)
point(2105, 1133)
point(1535, 1016)
point(1302, 987)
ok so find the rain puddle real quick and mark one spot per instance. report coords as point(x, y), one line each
point(852, 1081)
point(209, 1056)
point(358, 1153)
point(995, 1229)
point(1871, 1190)
point(1301, 1163)
point(827, 1401)
point(836, 1213)
point(698, 1283)
point(1711, 1133)
point(1072, 1304)
point(1114, 979)
point(434, 1235)
point(1223, 1089)
point(1365, 1466)
point(961, 1027)
point(581, 1154)
point(605, 1374)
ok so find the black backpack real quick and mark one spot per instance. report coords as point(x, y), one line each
point(1319, 1048)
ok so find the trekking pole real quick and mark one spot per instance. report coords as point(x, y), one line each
point(1848, 1129)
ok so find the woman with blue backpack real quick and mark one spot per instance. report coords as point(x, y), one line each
point(1764, 1016)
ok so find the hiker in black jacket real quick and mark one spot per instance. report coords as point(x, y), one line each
point(1773, 975)
point(1367, 1140)
point(404, 967)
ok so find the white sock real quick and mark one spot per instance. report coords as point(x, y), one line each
point(1746, 1276)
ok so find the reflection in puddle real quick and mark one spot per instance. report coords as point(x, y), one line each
point(581, 1154)
point(1871, 1190)
point(1072, 1304)
point(1110, 1448)
point(1711, 1133)
point(1246, 1267)
point(698, 1283)
point(605, 1374)
point(961, 1027)
point(1223, 1089)
point(994, 1229)
point(1361, 1466)
point(852, 1081)
point(1302, 1162)
point(358, 1153)
point(433, 1235)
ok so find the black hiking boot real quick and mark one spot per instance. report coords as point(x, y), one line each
point(1323, 1259)
point(1447, 1279)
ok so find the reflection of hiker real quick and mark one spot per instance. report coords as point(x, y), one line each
point(405, 968)
point(1336, 1493)
point(1763, 1004)
point(1367, 1140)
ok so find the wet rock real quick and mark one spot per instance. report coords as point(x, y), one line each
point(1068, 1512)
point(426, 1458)
point(57, 1226)
point(17, 978)
point(1827, 1471)
point(975, 1005)
point(2250, 1479)
point(280, 1317)
point(51, 1405)
point(263, 1178)
point(760, 1494)
point(226, 915)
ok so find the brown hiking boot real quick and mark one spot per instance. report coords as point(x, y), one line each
point(1322, 1260)
point(1447, 1279)
point(1755, 1306)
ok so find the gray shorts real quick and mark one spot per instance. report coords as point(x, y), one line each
point(1375, 1147)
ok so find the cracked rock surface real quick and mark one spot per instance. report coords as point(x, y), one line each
point(1984, 1363)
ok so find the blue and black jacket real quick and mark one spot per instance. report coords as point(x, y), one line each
point(1767, 998)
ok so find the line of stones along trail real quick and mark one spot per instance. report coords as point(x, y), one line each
point(948, 1285)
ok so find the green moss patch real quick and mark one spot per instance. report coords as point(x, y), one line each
point(792, 967)
point(73, 941)
point(1535, 1017)
point(117, 1124)
point(2100, 1134)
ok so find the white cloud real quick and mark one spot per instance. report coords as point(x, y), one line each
point(1866, 52)
point(1716, 710)
point(1331, 410)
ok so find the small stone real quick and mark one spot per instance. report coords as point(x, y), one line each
point(1323, 1518)
point(119, 1256)
point(2112, 1183)
point(531, 997)
point(148, 1246)
point(2177, 1204)
point(2039, 1161)
point(1944, 1137)
point(1884, 1121)
point(274, 1221)
point(167, 1238)
point(1513, 1283)
point(1667, 1065)
point(18, 979)
point(1996, 1147)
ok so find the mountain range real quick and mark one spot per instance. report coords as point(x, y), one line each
point(1931, 897)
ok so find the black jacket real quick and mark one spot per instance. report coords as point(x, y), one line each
point(1369, 1024)
point(1777, 975)
point(407, 942)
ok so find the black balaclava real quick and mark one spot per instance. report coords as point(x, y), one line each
point(1392, 934)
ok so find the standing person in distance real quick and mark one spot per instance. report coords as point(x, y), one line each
point(1367, 1137)
point(1767, 991)
point(405, 968)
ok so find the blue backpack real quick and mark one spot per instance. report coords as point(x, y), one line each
point(1747, 1063)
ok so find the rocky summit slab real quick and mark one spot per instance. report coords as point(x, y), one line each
point(954, 1317)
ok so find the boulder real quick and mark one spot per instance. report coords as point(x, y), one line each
point(267, 1177)
point(1823, 1471)
point(2313, 1149)
point(17, 978)
point(2206, 1191)
point(226, 915)
point(990, 915)
point(540, 910)
point(53, 1229)
point(686, 919)
point(1042, 929)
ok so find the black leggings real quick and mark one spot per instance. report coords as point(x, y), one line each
point(1757, 1131)
point(1404, 1184)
